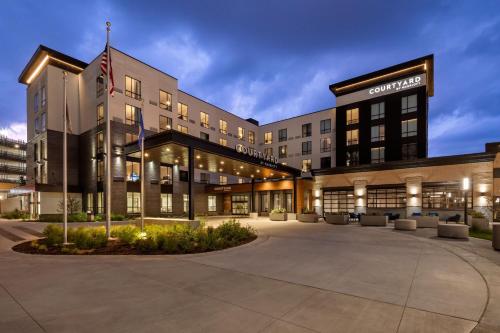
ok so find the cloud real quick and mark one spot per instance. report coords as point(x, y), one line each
point(15, 131)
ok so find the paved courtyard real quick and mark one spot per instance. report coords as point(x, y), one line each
point(294, 278)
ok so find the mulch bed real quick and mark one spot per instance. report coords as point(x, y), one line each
point(113, 248)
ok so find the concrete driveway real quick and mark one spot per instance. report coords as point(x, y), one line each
point(294, 278)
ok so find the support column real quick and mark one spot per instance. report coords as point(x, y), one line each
point(252, 197)
point(413, 196)
point(191, 181)
point(294, 194)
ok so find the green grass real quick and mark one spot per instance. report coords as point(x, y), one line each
point(476, 233)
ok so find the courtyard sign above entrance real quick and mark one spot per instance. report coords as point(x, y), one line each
point(257, 154)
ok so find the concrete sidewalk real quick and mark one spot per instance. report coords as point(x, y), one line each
point(294, 278)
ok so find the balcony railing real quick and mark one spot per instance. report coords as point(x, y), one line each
point(12, 156)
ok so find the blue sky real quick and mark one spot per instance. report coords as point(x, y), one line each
point(274, 59)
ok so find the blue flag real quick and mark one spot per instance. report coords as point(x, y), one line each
point(141, 129)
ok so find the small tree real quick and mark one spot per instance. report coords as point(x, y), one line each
point(73, 206)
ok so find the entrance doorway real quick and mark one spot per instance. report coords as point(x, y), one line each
point(264, 203)
point(239, 204)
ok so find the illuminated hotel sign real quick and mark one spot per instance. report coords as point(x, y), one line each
point(392, 87)
point(255, 153)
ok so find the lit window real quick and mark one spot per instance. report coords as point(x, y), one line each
point(132, 87)
point(165, 100)
point(222, 142)
point(378, 154)
point(251, 137)
point(352, 137)
point(131, 114)
point(268, 138)
point(166, 175)
point(408, 104)
point(222, 180)
point(204, 120)
point(133, 171)
point(306, 165)
point(268, 151)
point(100, 202)
point(378, 133)
point(325, 145)
point(325, 126)
point(408, 128)
point(166, 202)
point(99, 142)
point(133, 202)
point(182, 129)
point(282, 153)
point(222, 126)
point(130, 137)
point(378, 111)
point(90, 202)
point(100, 171)
point(185, 203)
point(352, 116)
point(182, 111)
point(212, 203)
point(100, 114)
point(165, 123)
point(241, 133)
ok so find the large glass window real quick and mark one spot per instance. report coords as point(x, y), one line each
point(268, 138)
point(444, 196)
point(132, 87)
point(387, 197)
point(307, 148)
point(378, 110)
point(378, 155)
point(282, 151)
point(133, 171)
point(165, 123)
point(166, 202)
point(166, 175)
point(408, 104)
point(165, 100)
point(352, 158)
point(239, 204)
point(282, 135)
point(306, 130)
point(341, 201)
point(212, 203)
point(325, 126)
point(378, 133)
point(100, 114)
point(131, 114)
point(204, 120)
point(182, 111)
point(133, 202)
point(352, 137)
point(409, 151)
point(223, 126)
point(325, 145)
point(352, 116)
point(408, 128)
point(251, 137)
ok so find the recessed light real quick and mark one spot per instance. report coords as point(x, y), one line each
point(176, 161)
point(251, 176)
point(238, 173)
point(146, 155)
point(272, 174)
point(265, 178)
point(168, 149)
point(222, 162)
point(200, 165)
point(220, 170)
point(258, 170)
point(198, 156)
point(241, 166)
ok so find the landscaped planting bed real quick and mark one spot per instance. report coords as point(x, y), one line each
point(128, 239)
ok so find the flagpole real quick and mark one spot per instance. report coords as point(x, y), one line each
point(65, 162)
point(142, 184)
point(108, 138)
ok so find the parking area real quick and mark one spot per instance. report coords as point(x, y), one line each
point(295, 277)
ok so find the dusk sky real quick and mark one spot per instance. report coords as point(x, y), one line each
point(274, 59)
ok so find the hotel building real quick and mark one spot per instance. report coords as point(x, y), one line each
point(368, 154)
point(12, 174)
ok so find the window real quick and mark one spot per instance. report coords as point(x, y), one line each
point(130, 137)
point(352, 116)
point(378, 111)
point(306, 130)
point(268, 138)
point(326, 162)
point(222, 180)
point(282, 135)
point(223, 142)
point(352, 158)
point(408, 128)
point(43, 122)
point(100, 171)
point(241, 133)
point(166, 173)
point(251, 137)
point(132, 87)
point(212, 203)
point(166, 203)
point(204, 136)
point(165, 123)
point(165, 100)
point(378, 155)
point(240, 180)
point(182, 129)
point(90, 202)
point(282, 151)
point(37, 125)
point(99, 142)
point(131, 114)
point(133, 171)
point(409, 151)
point(325, 126)
point(408, 104)
point(182, 111)
point(387, 197)
point(185, 203)
point(352, 137)
point(204, 178)
point(378, 133)
point(204, 120)
point(100, 114)
point(306, 148)
point(239, 204)
point(133, 202)
point(444, 196)
point(306, 165)
point(99, 86)
point(100, 202)
point(44, 97)
point(35, 103)
point(268, 151)
point(340, 201)
point(325, 145)
point(223, 126)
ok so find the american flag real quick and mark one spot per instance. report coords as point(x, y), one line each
point(141, 129)
point(104, 67)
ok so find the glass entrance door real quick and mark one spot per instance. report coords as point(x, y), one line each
point(239, 204)
point(264, 204)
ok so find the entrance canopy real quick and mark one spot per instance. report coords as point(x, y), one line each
point(173, 147)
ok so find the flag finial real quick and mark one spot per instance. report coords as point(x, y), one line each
point(108, 25)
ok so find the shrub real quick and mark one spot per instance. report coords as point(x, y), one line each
point(278, 211)
point(88, 238)
point(77, 217)
point(117, 217)
point(127, 234)
point(308, 211)
point(54, 234)
point(476, 214)
point(16, 214)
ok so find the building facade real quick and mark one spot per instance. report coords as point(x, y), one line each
point(12, 174)
point(380, 119)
